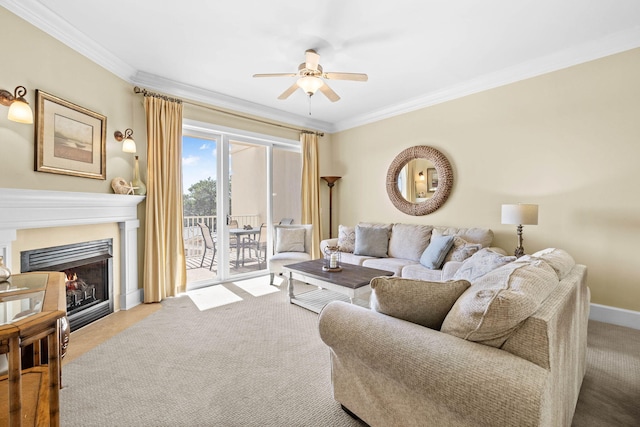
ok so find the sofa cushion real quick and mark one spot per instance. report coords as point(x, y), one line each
point(408, 241)
point(371, 241)
point(395, 265)
point(433, 256)
point(349, 258)
point(290, 239)
point(480, 263)
point(495, 305)
point(484, 236)
point(346, 238)
point(461, 250)
point(416, 301)
point(420, 272)
point(558, 259)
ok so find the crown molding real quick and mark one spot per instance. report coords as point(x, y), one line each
point(205, 96)
point(44, 19)
point(615, 43)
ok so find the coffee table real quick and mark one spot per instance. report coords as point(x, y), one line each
point(350, 284)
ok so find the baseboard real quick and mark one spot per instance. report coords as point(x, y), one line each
point(615, 316)
point(131, 299)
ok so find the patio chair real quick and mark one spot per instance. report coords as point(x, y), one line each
point(258, 244)
point(286, 221)
point(209, 243)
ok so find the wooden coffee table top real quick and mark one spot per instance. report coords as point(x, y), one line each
point(351, 276)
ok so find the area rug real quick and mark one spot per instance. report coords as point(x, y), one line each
point(254, 362)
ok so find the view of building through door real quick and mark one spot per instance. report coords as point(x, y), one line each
point(234, 190)
point(248, 207)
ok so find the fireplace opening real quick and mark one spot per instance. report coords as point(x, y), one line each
point(88, 267)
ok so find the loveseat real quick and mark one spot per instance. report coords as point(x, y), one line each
point(400, 247)
point(508, 351)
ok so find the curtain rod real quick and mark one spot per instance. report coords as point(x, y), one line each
point(145, 92)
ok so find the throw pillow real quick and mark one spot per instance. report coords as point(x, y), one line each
point(371, 241)
point(461, 250)
point(480, 263)
point(416, 301)
point(290, 240)
point(408, 241)
point(433, 256)
point(497, 303)
point(346, 238)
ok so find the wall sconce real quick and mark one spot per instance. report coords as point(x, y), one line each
point(421, 176)
point(128, 144)
point(19, 110)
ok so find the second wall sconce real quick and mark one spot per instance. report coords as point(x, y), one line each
point(128, 144)
point(19, 110)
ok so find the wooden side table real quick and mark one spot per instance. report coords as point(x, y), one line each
point(31, 306)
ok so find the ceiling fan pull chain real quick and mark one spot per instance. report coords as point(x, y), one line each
point(309, 98)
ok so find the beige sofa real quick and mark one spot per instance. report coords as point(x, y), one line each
point(407, 243)
point(392, 372)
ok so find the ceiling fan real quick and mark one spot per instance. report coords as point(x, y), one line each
point(311, 78)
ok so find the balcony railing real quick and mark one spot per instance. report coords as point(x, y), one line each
point(193, 242)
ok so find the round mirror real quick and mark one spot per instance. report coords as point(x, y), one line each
point(419, 180)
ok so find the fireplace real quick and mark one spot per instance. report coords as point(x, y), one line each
point(89, 270)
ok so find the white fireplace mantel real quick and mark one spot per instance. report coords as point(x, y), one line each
point(23, 209)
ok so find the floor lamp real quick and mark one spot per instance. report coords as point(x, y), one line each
point(331, 181)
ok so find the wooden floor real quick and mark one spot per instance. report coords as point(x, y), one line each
point(90, 336)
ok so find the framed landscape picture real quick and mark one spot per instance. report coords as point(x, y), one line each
point(70, 140)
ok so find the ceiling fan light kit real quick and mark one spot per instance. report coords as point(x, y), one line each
point(311, 78)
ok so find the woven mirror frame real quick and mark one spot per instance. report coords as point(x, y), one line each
point(445, 180)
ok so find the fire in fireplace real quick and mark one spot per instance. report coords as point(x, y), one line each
point(89, 270)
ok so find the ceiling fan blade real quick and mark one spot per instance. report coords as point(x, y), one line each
point(358, 77)
point(311, 59)
point(329, 93)
point(287, 93)
point(276, 75)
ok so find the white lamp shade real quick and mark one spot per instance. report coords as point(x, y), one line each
point(520, 214)
point(129, 145)
point(20, 112)
point(310, 84)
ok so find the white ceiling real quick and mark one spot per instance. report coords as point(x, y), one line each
point(416, 52)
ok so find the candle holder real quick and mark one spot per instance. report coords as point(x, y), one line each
point(332, 259)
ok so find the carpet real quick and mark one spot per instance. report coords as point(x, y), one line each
point(259, 361)
point(255, 362)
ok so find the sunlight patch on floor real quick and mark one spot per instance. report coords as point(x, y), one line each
point(257, 286)
point(212, 296)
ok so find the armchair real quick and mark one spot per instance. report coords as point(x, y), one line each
point(286, 247)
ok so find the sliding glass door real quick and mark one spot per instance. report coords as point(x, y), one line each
point(235, 187)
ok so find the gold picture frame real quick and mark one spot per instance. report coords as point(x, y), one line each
point(70, 140)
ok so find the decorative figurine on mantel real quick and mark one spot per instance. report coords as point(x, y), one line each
point(120, 186)
point(332, 259)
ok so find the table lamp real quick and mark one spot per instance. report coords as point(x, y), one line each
point(520, 214)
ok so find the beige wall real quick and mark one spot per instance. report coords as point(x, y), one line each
point(568, 141)
point(37, 61)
